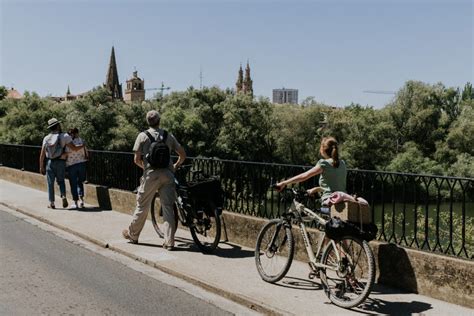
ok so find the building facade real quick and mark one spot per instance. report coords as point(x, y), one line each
point(283, 95)
point(135, 89)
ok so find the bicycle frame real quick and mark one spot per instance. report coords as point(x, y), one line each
point(298, 208)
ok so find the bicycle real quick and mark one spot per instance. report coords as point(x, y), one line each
point(198, 206)
point(346, 267)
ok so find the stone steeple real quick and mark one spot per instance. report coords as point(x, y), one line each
point(112, 81)
point(135, 89)
point(248, 83)
point(240, 80)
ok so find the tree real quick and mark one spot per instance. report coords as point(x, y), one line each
point(461, 135)
point(368, 143)
point(3, 92)
point(467, 92)
point(415, 115)
point(25, 120)
point(244, 132)
point(412, 160)
point(296, 132)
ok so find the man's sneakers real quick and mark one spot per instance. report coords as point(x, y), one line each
point(65, 203)
point(126, 235)
point(51, 205)
point(168, 247)
point(74, 205)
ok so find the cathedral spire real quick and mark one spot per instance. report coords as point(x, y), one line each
point(112, 80)
point(240, 80)
point(248, 83)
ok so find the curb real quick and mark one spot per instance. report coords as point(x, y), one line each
point(240, 299)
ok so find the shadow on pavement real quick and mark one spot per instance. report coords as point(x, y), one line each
point(299, 284)
point(183, 244)
point(378, 306)
point(233, 252)
point(88, 209)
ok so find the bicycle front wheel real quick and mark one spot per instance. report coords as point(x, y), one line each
point(206, 230)
point(274, 250)
point(350, 279)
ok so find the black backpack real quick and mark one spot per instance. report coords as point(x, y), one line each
point(158, 155)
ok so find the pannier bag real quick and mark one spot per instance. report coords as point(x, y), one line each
point(207, 192)
point(352, 212)
point(337, 228)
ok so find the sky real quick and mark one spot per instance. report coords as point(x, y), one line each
point(330, 50)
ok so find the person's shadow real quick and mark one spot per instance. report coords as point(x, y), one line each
point(86, 209)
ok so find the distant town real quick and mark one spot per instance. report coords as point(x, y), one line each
point(135, 90)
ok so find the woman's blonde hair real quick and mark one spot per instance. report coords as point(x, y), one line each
point(329, 147)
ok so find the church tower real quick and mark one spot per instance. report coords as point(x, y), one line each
point(112, 81)
point(240, 80)
point(135, 90)
point(248, 83)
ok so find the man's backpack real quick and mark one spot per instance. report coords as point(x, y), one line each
point(158, 155)
point(54, 148)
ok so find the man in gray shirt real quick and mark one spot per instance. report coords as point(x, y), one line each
point(153, 179)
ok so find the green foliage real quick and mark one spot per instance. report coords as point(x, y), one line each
point(412, 160)
point(244, 131)
point(416, 114)
point(296, 132)
point(467, 92)
point(426, 128)
point(3, 92)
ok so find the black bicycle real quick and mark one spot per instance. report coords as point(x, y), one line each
point(198, 206)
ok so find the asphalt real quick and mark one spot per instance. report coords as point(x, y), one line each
point(230, 272)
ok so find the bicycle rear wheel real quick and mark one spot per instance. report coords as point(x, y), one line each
point(274, 250)
point(206, 230)
point(350, 281)
point(156, 213)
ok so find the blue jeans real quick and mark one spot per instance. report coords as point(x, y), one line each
point(55, 169)
point(77, 176)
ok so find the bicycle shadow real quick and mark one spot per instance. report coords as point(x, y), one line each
point(230, 251)
point(377, 306)
point(299, 284)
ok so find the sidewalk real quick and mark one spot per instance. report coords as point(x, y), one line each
point(229, 272)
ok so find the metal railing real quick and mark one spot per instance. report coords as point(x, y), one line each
point(432, 213)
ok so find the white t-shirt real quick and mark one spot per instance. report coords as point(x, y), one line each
point(50, 141)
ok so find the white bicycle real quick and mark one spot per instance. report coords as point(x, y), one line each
point(346, 267)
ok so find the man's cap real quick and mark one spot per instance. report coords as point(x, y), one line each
point(52, 122)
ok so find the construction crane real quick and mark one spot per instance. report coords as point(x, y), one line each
point(379, 92)
point(162, 89)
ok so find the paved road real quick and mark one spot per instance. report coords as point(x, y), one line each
point(44, 274)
